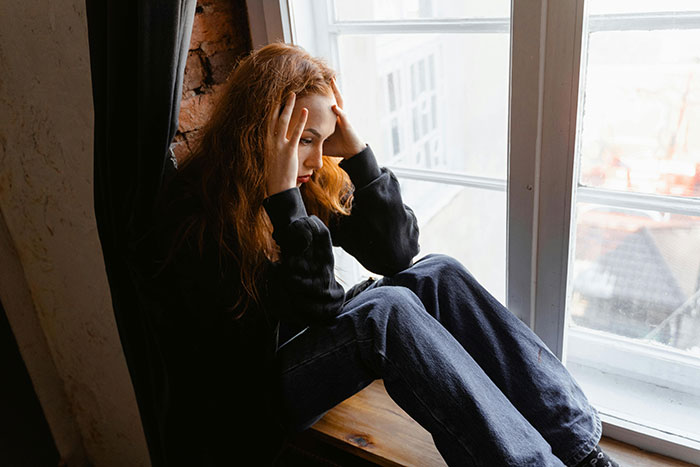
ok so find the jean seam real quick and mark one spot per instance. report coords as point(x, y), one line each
point(586, 447)
point(315, 357)
point(427, 408)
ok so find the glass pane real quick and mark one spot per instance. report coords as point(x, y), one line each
point(641, 112)
point(395, 137)
point(466, 223)
point(637, 274)
point(634, 315)
point(459, 107)
point(368, 10)
point(392, 92)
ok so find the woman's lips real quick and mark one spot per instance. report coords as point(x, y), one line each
point(303, 179)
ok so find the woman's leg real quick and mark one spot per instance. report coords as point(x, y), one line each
point(512, 356)
point(385, 332)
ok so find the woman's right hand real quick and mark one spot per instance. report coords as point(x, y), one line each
point(283, 163)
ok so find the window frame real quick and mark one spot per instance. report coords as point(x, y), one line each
point(545, 71)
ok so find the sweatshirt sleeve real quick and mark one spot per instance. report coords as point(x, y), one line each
point(301, 285)
point(381, 231)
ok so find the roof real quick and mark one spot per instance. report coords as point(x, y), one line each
point(657, 265)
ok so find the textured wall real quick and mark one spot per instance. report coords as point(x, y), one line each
point(47, 204)
point(52, 279)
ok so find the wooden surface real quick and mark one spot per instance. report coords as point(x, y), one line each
point(370, 425)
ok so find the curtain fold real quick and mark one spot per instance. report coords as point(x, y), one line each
point(138, 51)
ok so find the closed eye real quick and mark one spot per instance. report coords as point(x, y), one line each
point(306, 141)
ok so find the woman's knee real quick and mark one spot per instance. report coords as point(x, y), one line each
point(440, 260)
point(388, 304)
point(384, 318)
point(440, 267)
point(389, 296)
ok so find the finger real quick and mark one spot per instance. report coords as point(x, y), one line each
point(342, 116)
point(336, 92)
point(299, 128)
point(286, 115)
point(272, 124)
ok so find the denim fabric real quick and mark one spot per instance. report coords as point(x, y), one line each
point(478, 379)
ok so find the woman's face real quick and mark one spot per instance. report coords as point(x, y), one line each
point(320, 125)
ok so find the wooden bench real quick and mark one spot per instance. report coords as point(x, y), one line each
point(370, 429)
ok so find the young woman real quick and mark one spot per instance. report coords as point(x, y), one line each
point(244, 242)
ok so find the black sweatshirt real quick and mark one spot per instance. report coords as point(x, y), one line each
point(220, 392)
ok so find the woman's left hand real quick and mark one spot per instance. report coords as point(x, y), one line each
point(344, 142)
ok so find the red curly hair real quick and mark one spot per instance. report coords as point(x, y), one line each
point(226, 171)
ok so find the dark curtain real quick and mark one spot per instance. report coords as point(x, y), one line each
point(138, 51)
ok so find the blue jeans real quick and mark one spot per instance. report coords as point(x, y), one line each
point(458, 362)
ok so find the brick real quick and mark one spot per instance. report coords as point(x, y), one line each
point(187, 94)
point(194, 73)
point(195, 111)
point(210, 48)
point(181, 151)
point(191, 137)
point(215, 6)
point(184, 144)
point(212, 25)
point(220, 65)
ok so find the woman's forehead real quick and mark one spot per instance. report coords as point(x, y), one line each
point(321, 115)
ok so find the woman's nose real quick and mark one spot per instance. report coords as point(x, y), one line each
point(315, 159)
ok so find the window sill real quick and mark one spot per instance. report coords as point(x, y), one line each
point(369, 425)
point(648, 395)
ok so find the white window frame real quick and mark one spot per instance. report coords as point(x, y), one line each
point(545, 70)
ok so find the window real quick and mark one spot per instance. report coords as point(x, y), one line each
point(634, 308)
point(440, 124)
point(565, 135)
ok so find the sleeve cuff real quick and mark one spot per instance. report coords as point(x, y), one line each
point(284, 207)
point(362, 167)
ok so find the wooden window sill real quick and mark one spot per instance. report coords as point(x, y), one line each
point(373, 429)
